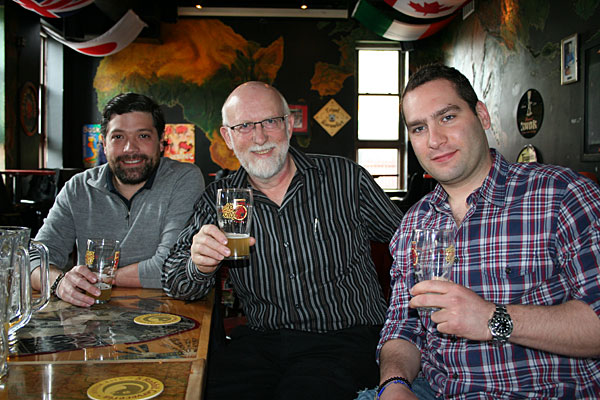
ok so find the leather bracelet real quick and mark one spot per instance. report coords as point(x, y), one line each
point(392, 380)
point(55, 284)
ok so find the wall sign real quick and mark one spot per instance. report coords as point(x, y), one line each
point(332, 117)
point(530, 113)
point(28, 109)
point(529, 154)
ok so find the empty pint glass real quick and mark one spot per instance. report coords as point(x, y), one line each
point(234, 216)
point(102, 258)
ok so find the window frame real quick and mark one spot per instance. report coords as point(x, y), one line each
point(402, 143)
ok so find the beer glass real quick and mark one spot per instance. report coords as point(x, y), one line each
point(21, 304)
point(102, 258)
point(234, 216)
point(432, 254)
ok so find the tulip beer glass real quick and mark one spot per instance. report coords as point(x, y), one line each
point(234, 216)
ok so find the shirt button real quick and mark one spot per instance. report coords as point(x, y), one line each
point(286, 245)
point(455, 376)
point(297, 305)
point(508, 270)
point(292, 276)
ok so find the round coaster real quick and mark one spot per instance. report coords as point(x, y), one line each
point(157, 319)
point(126, 388)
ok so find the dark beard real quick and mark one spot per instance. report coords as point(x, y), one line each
point(133, 176)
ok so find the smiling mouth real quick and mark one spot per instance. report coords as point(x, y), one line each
point(131, 160)
point(262, 151)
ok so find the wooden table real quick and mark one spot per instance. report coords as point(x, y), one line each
point(103, 342)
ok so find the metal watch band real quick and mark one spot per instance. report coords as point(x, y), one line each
point(500, 325)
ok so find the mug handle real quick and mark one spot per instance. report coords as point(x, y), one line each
point(25, 311)
point(41, 302)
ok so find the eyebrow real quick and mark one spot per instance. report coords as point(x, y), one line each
point(438, 113)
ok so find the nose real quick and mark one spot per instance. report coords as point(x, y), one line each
point(130, 146)
point(259, 135)
point(437, 137)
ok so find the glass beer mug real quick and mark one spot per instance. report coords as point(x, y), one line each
point(21, 304)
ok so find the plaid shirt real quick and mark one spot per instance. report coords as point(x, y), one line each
point(531, 236)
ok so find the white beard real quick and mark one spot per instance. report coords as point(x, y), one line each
point(264, 169)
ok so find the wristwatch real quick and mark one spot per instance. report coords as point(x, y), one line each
point(501, 325)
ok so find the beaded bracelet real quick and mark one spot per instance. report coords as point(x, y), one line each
point(389, 381)
point(55, 284)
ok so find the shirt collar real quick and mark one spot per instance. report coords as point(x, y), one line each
point(111, 186)
point(492, 190)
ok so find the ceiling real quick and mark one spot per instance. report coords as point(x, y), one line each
point(100, 16)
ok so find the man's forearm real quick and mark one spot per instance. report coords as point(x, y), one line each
point(571, 329)
point(399, 357)
point(53, 273)
point(128, 276)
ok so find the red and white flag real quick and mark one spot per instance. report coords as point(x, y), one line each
point(114, 40)
point(54, 8)
point(424, 9)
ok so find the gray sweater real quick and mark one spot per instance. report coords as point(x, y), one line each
point(85, 208)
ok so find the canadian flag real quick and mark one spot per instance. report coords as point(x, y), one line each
point(424, 9)
point(407, 20)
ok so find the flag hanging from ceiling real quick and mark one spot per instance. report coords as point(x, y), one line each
point(114, 40)
point(424, 19)
point(54, 8)
point(423, 9)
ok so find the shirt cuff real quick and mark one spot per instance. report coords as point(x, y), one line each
point(195, 274)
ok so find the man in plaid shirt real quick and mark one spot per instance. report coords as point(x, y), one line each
point(519, 317)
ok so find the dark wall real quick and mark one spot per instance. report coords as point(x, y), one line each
point(22, 46)
point(507, 47)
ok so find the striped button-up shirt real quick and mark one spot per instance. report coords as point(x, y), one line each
point(311, 267)
point(531, 236)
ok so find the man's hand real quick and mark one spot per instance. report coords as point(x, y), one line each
point(209, 247)
point(73, 287)
point(462, 312)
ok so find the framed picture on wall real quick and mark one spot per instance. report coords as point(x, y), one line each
point(590, 54)
point(568, 59)
point(300, 113)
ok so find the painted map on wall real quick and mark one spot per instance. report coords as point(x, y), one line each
point(197, 65)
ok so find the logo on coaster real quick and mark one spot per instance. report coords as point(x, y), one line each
point(126, 388)
point(157, 319)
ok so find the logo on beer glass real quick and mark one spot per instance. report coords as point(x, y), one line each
point(236, 211)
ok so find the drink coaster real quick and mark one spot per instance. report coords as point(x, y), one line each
point(157, 319)
point(126, 388)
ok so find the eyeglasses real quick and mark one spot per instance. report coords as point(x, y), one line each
point(269, 124)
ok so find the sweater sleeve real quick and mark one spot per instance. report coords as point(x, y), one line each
point(58, 230)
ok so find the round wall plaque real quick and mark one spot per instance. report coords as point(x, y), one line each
point(28, 109)
point(530, 113)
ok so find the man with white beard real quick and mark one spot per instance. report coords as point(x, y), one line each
point(138, 197)
point(310, 291)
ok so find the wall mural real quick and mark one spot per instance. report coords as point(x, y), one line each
point(198, 64)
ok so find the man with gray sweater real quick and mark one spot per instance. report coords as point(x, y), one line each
point(139, 198)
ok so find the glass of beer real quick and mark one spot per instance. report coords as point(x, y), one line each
point(234, 216)
point(102, 258)
point(432, 255)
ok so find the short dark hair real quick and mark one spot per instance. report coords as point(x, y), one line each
point(129, 102)
point(433, 72)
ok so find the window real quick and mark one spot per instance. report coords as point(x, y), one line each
point(381, 137)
